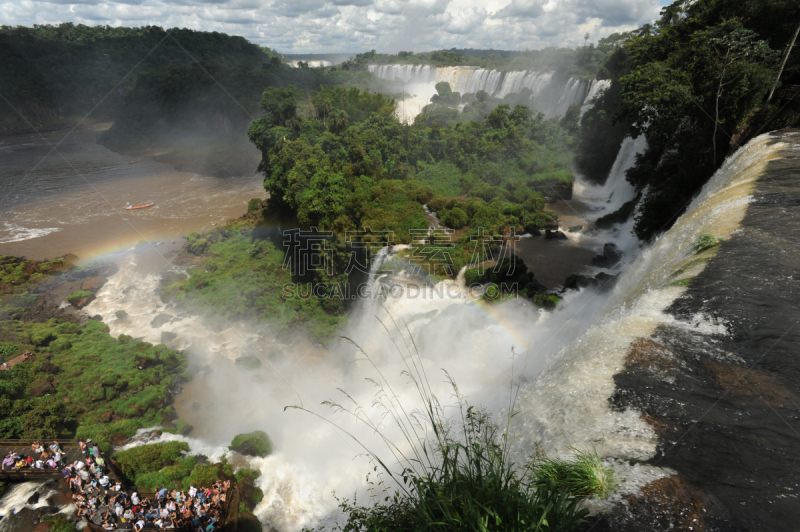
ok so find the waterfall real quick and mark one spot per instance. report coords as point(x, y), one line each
point(551, 94)
point(569, 400)
point(596, 87)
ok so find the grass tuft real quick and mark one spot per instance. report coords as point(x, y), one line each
point(585, 476)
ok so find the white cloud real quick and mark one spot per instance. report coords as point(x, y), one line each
point(358, 25)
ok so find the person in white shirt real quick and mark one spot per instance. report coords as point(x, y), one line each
point(139, 525)
point(135, 498)
point(192, 491)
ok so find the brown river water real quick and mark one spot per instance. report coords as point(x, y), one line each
point(71, 199)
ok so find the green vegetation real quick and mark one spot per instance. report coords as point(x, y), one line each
point(456, 474)
point(583, 476)
point(241, 276)
point(255, 443)
point(149, 458)
point(352, 164)
point(80, 294)
point(59, 523)
point(695, 84)
point(55, 74)
point(82, 382)
point(704, 242)
point(8, 351)
point(159, 465)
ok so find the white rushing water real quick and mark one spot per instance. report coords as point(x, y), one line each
point(566, 358)
point(551, 94)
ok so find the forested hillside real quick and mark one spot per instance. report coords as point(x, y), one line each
point(52, 74)
point(695, 84)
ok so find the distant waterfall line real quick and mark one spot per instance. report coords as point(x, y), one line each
point(552, 94)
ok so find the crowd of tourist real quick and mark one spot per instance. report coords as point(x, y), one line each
point(39, 458)
point(107, 504)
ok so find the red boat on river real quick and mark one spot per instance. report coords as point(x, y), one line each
point(135, 206)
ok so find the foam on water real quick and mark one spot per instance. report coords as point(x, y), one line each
point(15, 233)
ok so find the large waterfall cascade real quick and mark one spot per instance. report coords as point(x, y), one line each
point(552, 94)
point(569, 401)
point(566, 358)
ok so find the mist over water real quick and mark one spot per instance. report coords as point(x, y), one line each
point(488, 350)
point(550, 93)
point(562, 361)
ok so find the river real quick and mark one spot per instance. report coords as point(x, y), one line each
point(71, 199)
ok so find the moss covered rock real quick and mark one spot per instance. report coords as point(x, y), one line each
point(256, 443)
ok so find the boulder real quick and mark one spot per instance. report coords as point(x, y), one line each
point(80, 302)
point(610, 256)
point(40, 387)
point(555, 235)
point(255, 443)
point(160, 320)
point(93, 284)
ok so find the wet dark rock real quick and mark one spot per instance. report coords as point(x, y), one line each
point(52, 369)
point(33, 499)
point(602, 281)
point(577, 281)
point(160, 320)
point(619, 216)
point(664, 504)
point(40, 387)
point(724, 402)
point(93, 284)
point(97, 317)
point(555, 235)
point(80, 302)
point(610, 256)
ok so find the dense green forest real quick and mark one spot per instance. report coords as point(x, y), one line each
point(695, 83)
point(66, 71)
point(189, 92)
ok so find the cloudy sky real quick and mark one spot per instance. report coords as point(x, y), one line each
point(329, 26)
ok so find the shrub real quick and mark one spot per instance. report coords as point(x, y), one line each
point(150, 458)
point(585, 476)
point(255, 443)
point(704, 242)
point(252, 205)
point(203, 475)
point(59, 523)
point(80, 294)
point(456, 218)
point(444, 178)
point(198, 247)
point(7, 351)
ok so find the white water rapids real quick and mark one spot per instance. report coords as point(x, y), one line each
point(565, 358)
